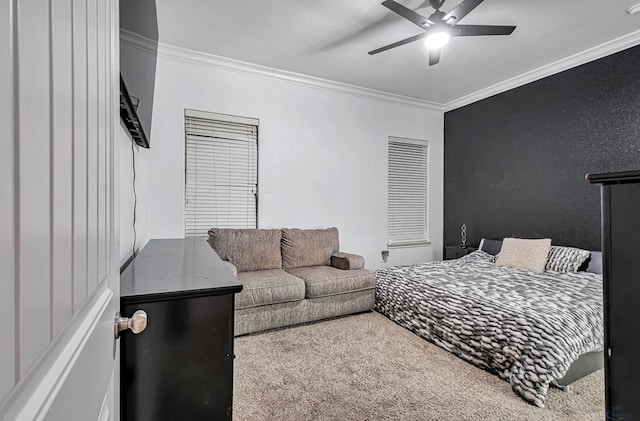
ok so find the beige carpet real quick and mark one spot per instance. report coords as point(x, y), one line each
point(365, 367)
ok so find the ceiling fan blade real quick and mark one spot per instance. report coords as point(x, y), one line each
point(434, 56)
point(474, 30)
point(425, 3)
point(460, 11)
point(407, 13)
point(399, 43)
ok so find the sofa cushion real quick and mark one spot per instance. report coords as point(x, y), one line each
point(264, 287)
point(248, 249)
point(302, 248)
point(322, 281)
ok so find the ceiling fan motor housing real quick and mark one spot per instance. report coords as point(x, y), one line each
point(436, 4)
point(437, 16)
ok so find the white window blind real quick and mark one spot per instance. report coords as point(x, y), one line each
point(408, 189)
point(221, 172)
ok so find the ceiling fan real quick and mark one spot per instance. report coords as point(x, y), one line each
point(440, 26)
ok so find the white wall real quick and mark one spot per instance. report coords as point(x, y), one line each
point(127, 197)
point(322, 155)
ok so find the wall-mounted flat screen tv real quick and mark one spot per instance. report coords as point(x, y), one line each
point(138, 54)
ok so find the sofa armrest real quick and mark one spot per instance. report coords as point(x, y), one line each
point(347, 261)
point(231, 267)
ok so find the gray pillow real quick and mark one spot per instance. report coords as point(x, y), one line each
point(248, 249)
point(302, 248)
point(566, 259)
point(524, 254)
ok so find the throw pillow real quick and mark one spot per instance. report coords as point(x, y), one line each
point(566, 259)
point(524, 254)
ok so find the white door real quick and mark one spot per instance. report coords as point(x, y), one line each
point(59, 281)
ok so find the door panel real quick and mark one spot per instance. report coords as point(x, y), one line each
point(7, 245)
point(102, 144)
point(33, 160)
point(92, 148)
point(68, 383)
point(79, 29)
point(60, 282)
point(76, 393)
point(62, 176)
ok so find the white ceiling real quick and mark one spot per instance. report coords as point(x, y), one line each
point(330, 39)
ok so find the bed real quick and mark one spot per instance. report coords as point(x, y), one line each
point(533, 330)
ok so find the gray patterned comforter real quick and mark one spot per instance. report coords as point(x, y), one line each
point(528, 328)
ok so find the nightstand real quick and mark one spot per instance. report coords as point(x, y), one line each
point(455, 252)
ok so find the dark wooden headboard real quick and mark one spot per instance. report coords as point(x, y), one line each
point(593, 263)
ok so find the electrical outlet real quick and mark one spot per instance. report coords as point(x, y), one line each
point(385, 256)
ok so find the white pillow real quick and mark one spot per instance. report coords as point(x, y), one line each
point(524, 254)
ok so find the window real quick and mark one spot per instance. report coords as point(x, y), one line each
point(408, 189)
point(221, 172)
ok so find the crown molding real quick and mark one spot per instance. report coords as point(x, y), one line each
point(138, 41)
point(591, 54)
point(197, 57)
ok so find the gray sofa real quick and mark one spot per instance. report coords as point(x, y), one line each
point(292, 276)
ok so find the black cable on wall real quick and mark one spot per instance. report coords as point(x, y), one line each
point(135, 198)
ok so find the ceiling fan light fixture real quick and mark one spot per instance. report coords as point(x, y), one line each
point(436, 40)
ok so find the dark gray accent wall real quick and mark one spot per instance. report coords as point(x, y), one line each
point(515, 163)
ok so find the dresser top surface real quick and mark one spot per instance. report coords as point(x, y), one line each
point(621, 177)
point(176, 268)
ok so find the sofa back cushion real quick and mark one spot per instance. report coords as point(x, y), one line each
point(248, 249)
point(302, 248)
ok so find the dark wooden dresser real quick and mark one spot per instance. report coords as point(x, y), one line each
point(181, 366)
point(621, 271)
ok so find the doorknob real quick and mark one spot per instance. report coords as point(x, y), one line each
point(137, 323)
